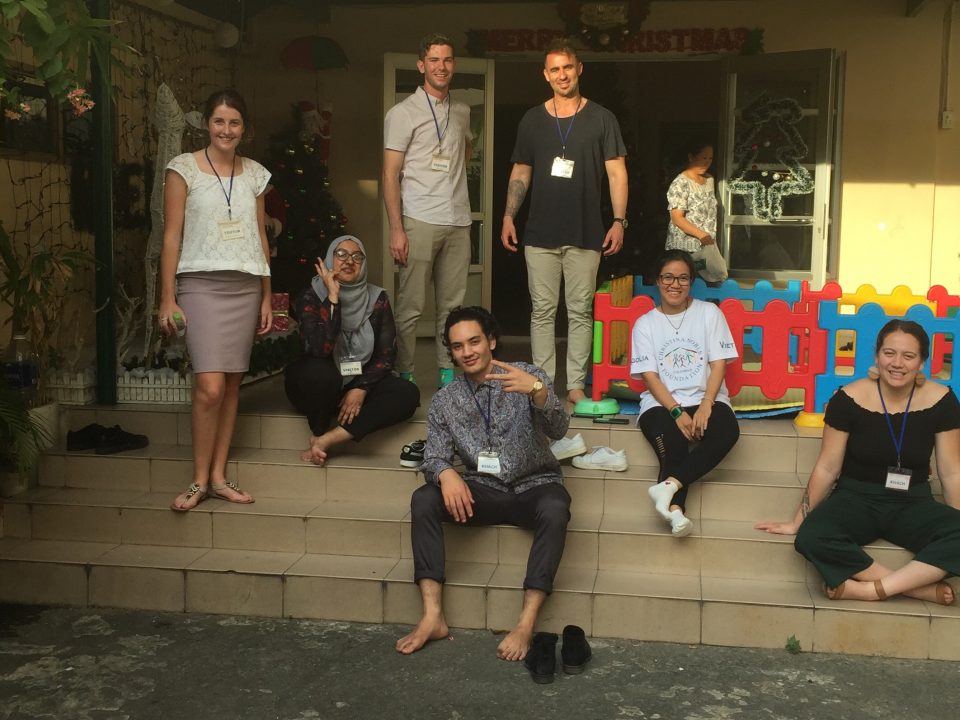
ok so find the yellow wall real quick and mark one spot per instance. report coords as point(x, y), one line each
point(901, 174)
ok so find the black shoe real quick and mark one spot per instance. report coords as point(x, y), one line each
point(114, 440)
point(541, 660)
point(575, 652)
point(412, 455)
point(85, 438)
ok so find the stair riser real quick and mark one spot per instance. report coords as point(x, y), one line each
point(601, 615)
point(750, 559)
point(721, 500)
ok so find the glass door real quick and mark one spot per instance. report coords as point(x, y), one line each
point(472, 84)
point(779, 132)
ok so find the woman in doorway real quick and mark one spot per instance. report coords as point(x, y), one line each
point(871, 479)
point(692, 203)
point(217, 286)
point(680, 350)
point(349, 344)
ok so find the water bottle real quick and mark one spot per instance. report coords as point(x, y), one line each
point(20, 369)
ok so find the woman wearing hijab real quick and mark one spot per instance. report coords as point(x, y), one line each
point(349, 345)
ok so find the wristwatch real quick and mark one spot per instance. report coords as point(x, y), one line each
point(622, 221)
point(676, 411)
point(537, 387)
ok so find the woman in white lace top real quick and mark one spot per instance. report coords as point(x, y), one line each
point(215, 283)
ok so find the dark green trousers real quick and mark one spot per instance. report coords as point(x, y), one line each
point(858, 513)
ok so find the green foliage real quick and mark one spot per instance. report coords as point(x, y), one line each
point(793, 645)
point(62, 35)
point(33, 281)
point(22, 436)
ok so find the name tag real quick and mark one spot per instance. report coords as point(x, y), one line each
point(230, 230)
point(350, 367)
point(440, 163)
point(562, 168)
point(898, 479)
point(488, 462)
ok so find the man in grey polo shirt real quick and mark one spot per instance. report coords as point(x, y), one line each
point(427, 143)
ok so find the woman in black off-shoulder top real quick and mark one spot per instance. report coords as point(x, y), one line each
point(871, 479)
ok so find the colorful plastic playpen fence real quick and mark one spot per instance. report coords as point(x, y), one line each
point(792, 337)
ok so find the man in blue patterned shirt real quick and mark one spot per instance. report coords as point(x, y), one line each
point(499, 418)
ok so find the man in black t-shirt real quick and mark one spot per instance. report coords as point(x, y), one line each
point(563, 147)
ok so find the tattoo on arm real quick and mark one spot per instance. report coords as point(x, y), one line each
point(805, 504)
point(516, 192)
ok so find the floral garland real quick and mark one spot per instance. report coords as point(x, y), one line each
point(767, 199)
point(603, 25)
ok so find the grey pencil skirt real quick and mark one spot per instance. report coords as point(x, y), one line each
point(222, 310)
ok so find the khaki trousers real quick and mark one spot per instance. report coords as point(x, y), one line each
point(578, 268)
point(440, 253)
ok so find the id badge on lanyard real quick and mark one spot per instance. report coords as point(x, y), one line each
point(898, 478)
point(230, 230)
point(562, 168)
point(350, 367)
point(488, 462)
point(440, 162)
point(350, 364)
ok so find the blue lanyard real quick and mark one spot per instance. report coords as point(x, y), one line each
point(898, 446)
point(226, 194)
point(486, 418)
point(440, 135)
point(565, 135)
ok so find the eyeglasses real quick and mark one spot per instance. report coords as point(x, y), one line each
point(669, 279)
point(357, 256)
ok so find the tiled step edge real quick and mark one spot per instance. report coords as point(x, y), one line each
point(660, 607)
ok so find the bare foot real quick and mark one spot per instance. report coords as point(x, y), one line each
point(515, 645)
point(574, 396)
point(316, 453)
point(433, 628)
point(938, 592)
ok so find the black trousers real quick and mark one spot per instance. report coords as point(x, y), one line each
point(314, 386)
point(857, 513)
point(677, 458)
point(545, 509)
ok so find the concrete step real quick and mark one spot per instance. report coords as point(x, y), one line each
point(727, 493)
point(765, 445)
point(334, 522)
point(615, 603)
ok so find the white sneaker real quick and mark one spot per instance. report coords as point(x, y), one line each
point(568, 447)
point(662, 494)
point(602, 458)
point(680, 524)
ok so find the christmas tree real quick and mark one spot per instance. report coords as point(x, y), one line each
point(303, 215)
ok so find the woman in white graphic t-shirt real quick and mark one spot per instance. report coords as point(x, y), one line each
point(680, 350)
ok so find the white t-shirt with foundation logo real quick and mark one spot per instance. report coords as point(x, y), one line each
point(680, 350)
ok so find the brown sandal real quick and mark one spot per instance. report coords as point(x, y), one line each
point(837, 591)
point(942, 588)
point(194, 489)
point(878, 586)
point(216, 491)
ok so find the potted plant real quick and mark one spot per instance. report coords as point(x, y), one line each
point(33, 282)
point(23, 437)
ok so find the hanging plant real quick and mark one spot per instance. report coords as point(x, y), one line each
point(61, 36)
